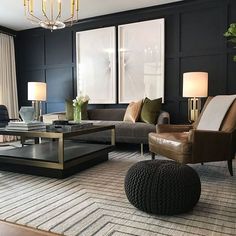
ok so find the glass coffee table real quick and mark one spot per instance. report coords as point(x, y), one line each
point(59, 156)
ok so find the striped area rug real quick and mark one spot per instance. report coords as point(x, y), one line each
point(93, 202)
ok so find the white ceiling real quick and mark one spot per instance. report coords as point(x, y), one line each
point(12, 11)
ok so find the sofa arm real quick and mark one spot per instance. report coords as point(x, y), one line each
point(211, 145)
point(167, 128)
point(163, 118)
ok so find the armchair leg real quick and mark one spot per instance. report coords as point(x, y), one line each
point(230, 167)
point(153, 156)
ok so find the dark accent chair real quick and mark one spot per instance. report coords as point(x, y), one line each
point(185, 144)
point(4, 116)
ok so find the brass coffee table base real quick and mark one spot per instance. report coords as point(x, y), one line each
point(57, 158)
point(41, 159)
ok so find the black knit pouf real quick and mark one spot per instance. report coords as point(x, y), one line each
point(162, 187)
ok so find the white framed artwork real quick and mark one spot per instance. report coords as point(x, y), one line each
point(96, 65)
point(141, 60)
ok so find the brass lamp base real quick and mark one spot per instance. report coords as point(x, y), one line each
point(38, 109)
point(194, 108)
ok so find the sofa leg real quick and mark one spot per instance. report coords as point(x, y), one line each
point(141, 149)
point(230, 167)
point(153, 156)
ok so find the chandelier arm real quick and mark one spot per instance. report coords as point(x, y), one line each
point(35, 17)
point(31, 14)
point(69, 19)
point(32, 20)
point(70, 23)
point(45, 15)
point(58, 16)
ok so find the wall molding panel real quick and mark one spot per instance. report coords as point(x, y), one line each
point(193, 41)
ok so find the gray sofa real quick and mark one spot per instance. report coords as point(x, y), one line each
point(125, 132)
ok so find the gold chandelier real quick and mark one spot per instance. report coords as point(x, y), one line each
point(51, 11)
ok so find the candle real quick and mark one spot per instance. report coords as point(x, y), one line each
point(31, 6)
point(72, 7)
point(59, 7)
point(44, 3)
point(77, 5)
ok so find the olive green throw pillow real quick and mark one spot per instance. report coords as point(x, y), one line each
point(150, 110)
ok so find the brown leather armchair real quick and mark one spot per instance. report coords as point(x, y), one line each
point(185, 144)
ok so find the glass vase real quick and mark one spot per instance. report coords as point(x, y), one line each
point(77, 114)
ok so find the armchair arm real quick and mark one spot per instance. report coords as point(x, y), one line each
point(167, 128)
point(211, 145)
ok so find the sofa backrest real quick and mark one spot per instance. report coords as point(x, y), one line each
point(116, 114)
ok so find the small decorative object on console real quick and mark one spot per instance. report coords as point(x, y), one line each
point(27, 114)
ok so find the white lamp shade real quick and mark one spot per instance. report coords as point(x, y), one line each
point(37, 91)
point(195, 84)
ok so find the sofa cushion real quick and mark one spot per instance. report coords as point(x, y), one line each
point(150, 110)
point(126, 132)
point(133, 111)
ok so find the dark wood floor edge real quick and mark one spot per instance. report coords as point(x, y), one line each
point(32, 229)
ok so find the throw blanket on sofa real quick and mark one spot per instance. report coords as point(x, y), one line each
point(215, 112)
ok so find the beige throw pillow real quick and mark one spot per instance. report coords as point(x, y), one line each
point(133, 111)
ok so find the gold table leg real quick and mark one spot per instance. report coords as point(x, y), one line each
point(113, 137)
point(61, 151)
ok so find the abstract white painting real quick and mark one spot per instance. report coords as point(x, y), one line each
point(141, 60)
point(96, 67)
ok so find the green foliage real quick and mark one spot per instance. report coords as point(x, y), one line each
point(231, 35)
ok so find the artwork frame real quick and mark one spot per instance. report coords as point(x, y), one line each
point(141, 56)
point(96, 64)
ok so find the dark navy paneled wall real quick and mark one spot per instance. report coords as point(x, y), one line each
point(193, 38)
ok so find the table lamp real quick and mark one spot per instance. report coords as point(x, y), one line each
point(37, 94)
point(195, 86)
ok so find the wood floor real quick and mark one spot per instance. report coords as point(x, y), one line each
point(7, 229)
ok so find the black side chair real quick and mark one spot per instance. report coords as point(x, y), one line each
point(4, 119)
point(4, 116)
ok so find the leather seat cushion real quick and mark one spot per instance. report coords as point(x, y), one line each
point(172, 145)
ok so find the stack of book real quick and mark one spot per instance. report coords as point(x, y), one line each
point(70, 127)
point(20, 125)
point(49, 118)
